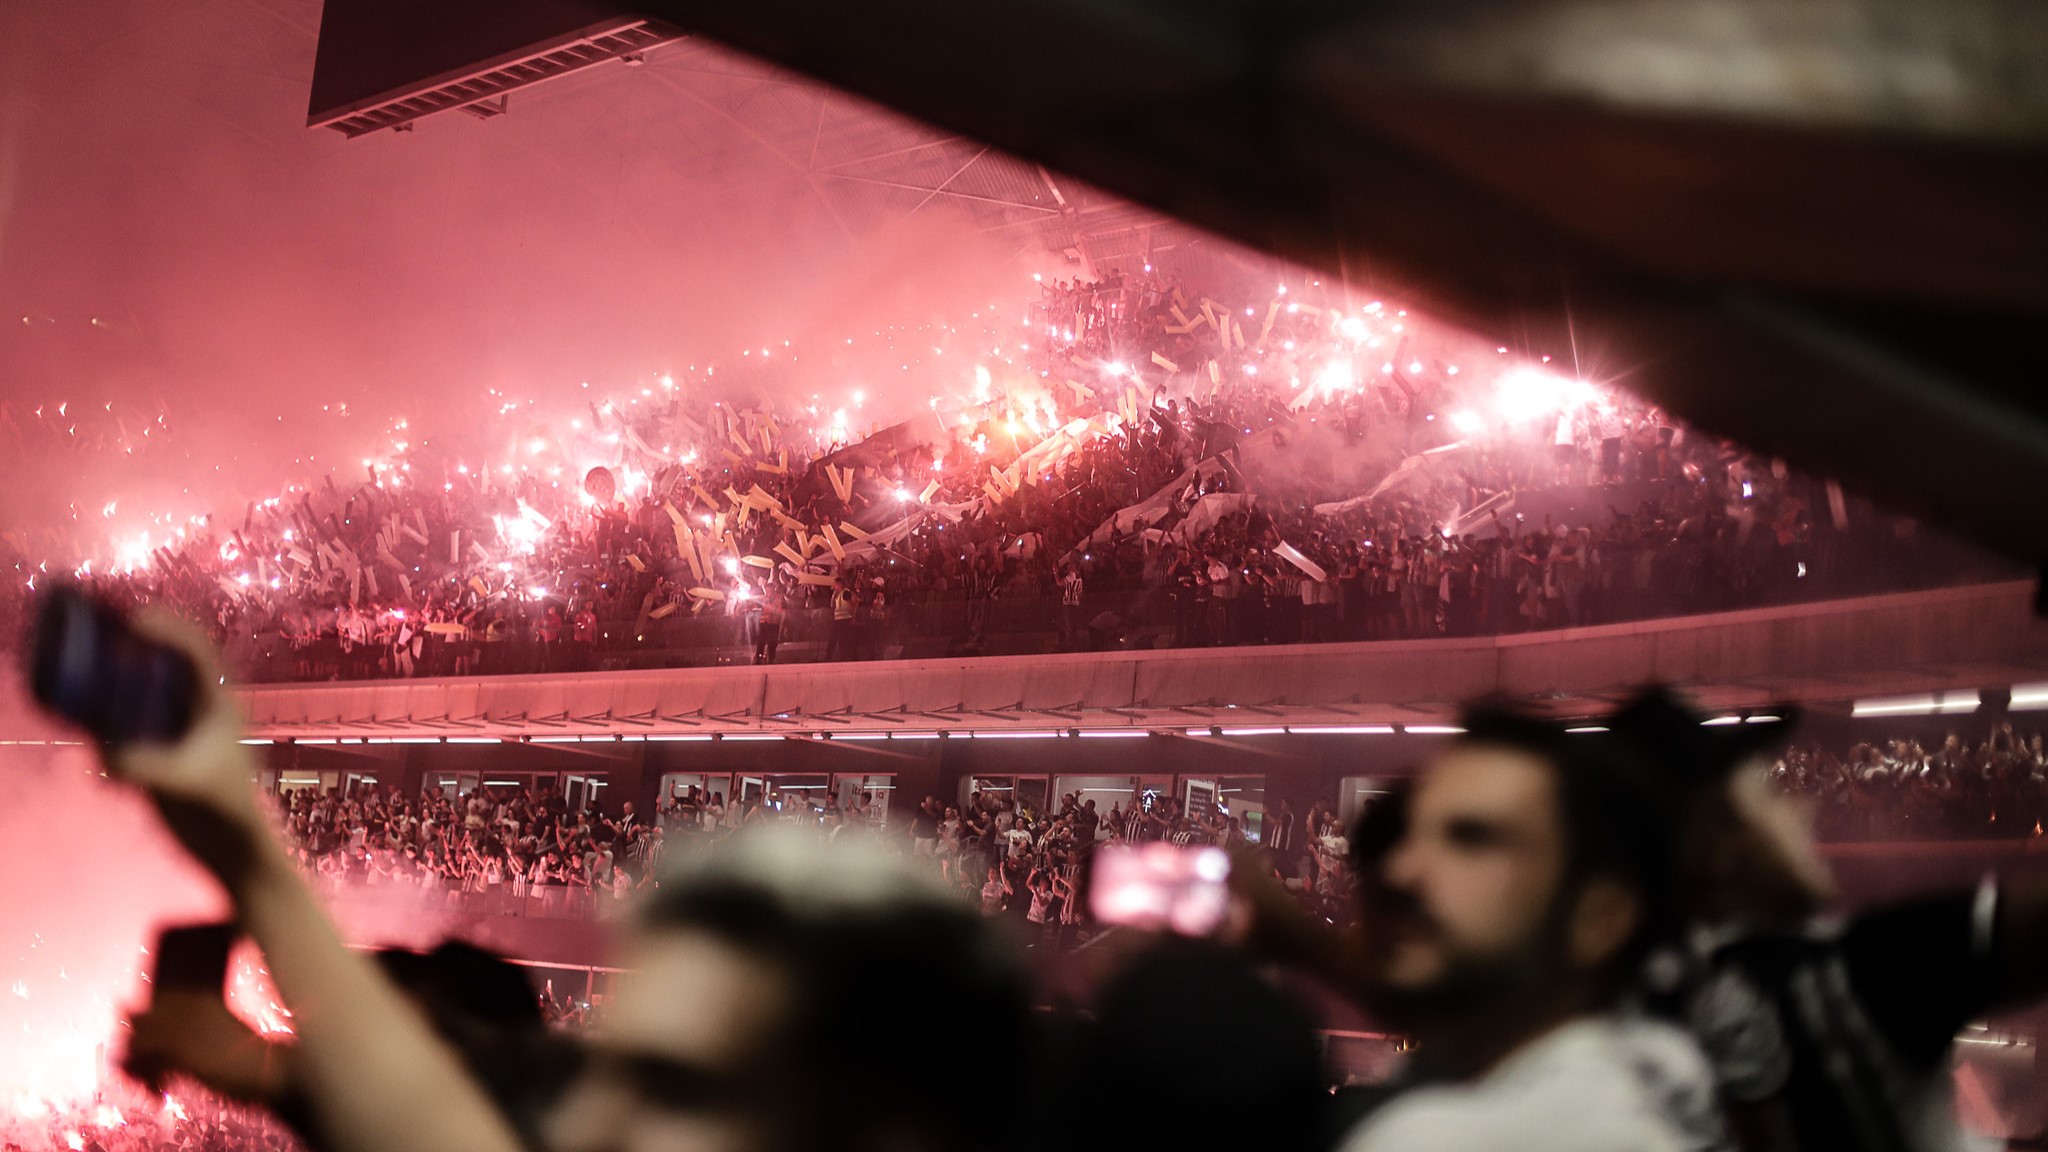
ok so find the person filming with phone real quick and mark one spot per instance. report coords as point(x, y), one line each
point(742, 1025)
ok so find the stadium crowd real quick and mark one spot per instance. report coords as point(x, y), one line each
point(1021, 864)
point(1901, 789)
point(1294, 496)
point(527, 852)
point(492, 854)
point(172, 1125)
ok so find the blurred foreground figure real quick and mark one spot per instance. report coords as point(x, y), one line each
point(769, 1009)
point(786, 996)
point(1508, 905)
point(1825, 1032)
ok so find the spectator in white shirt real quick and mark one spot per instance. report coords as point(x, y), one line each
point(1509, 904)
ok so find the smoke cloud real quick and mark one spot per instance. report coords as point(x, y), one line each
point(204, 300)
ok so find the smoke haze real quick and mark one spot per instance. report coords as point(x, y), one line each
point(223, 300)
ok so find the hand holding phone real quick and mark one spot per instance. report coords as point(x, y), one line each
point(147, 688)
point(189, 1030)
point(89, 666)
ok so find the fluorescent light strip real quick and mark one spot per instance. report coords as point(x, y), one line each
point(1587, 730)
point(859, 735)
point(1255, 731)
point(1433, 730)
point(2029, 697)
point(314, 740)
point(474, 740)
point(554, 739)
point(1761, 719)
point(1863, 708)
point(1112, 733)
point(1197, 731)
point(415, 739)
point(1033, 734)
point(1929, 704)
point(1344, 730)
point(252, 741)
point(681, 736)
point(913, 735)
point(1720, 721)
point(749, 736)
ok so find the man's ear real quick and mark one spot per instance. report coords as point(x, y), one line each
point(1606, 915)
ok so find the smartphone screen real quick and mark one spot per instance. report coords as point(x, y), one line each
point(1154, 886)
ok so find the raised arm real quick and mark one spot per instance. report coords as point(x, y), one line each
point(367, 1060)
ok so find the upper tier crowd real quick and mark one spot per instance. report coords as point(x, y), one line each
point(1264, 493)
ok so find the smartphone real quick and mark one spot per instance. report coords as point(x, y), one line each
point(1154, 886)
point(87, 665)
point(194, 957)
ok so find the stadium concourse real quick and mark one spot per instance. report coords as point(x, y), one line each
point(683, 610)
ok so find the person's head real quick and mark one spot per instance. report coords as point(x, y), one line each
point(1521, 879)
point(1745, 848)
point(747, 1022)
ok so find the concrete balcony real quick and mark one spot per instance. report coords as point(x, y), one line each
point(1816, 654)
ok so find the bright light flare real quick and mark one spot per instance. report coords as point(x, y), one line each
point(1526, 392)
point(252, 995)
point(524, 531)
point(76, 953)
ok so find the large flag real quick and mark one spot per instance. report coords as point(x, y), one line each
point(1292, 555)
point(1405, 471)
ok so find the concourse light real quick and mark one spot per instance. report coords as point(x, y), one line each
point(1924, 704)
